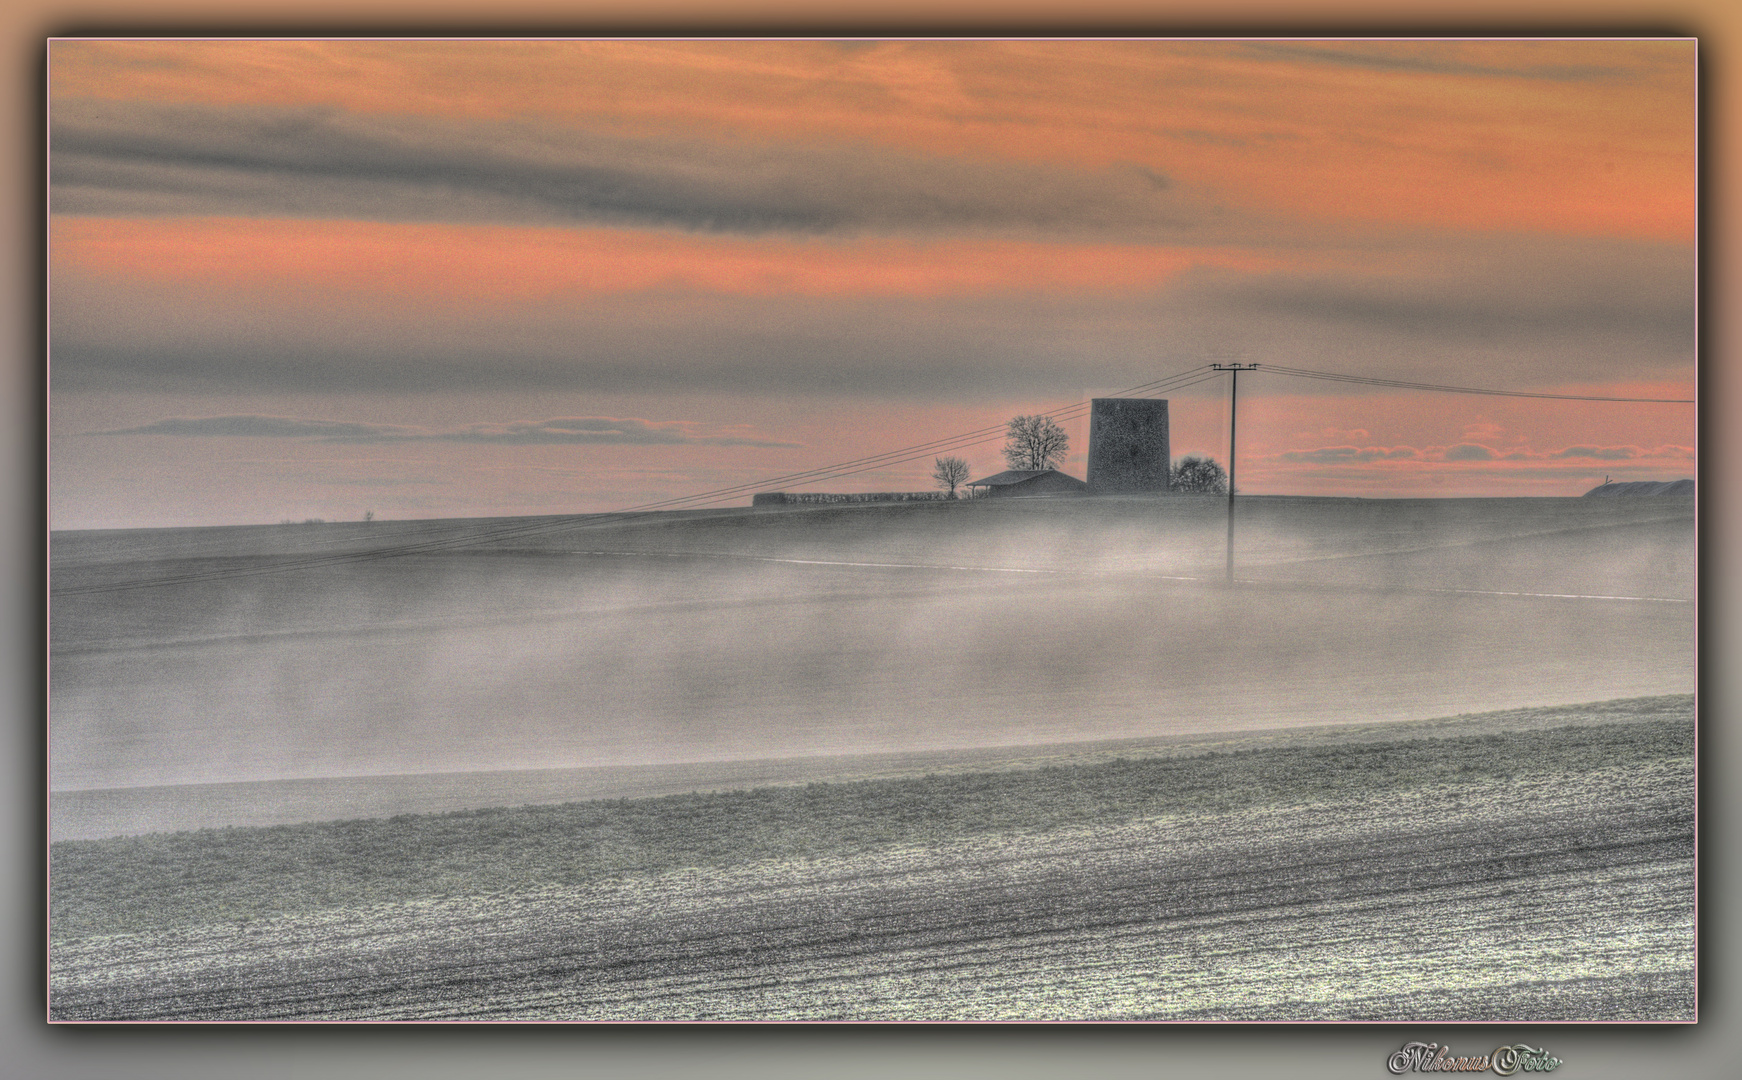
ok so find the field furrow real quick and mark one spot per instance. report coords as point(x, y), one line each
point(1562, 893)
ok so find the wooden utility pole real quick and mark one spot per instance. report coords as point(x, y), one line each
point(1233, 370)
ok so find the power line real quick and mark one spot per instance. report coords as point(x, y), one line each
point(1368, 380)
point(498, 534)
point(1233, 371)
point(980, 436)
point(977, 437)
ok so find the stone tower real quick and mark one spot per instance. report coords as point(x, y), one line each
point(1128, 447)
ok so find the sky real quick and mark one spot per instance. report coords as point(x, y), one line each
point(294, 279)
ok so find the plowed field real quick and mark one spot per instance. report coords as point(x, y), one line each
point(1542, 875)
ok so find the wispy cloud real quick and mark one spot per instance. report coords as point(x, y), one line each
point(599, 429)
point(1408, 57)
point(1572, 313)
point(276, 427)
point(1623, 453)
point(122, 159)
point(1469, 452)
point(568, 430)
point(1477, 452)
point(1352, 455)
point(1489, 289)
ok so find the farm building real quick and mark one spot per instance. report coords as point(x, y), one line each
point(1128, 445)
point(1030, 482)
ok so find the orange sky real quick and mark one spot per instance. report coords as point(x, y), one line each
point(442, 264)
point(777, 233)
point(1604, 144)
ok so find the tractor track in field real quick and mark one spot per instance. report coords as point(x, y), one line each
point(1559, 895)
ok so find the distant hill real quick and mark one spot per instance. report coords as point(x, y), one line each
point(1643, 487)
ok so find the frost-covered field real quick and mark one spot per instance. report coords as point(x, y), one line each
point(189, 657)
point(1016, 759)
point(1511, 871)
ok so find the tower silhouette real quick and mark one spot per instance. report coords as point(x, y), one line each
point(1128, 444)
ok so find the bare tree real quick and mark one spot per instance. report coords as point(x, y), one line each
point(950, 473)
point(1034, 442)
point(1198, 474)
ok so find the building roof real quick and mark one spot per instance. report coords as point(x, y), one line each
point(1017, 476)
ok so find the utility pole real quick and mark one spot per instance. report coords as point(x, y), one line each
point(1233, 370)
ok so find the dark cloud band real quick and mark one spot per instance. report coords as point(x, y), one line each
point(570, 430)
point(126, 159)
point(116, 337)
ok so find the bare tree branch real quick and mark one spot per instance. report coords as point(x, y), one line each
point(1034, 443)
point(950, 472)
